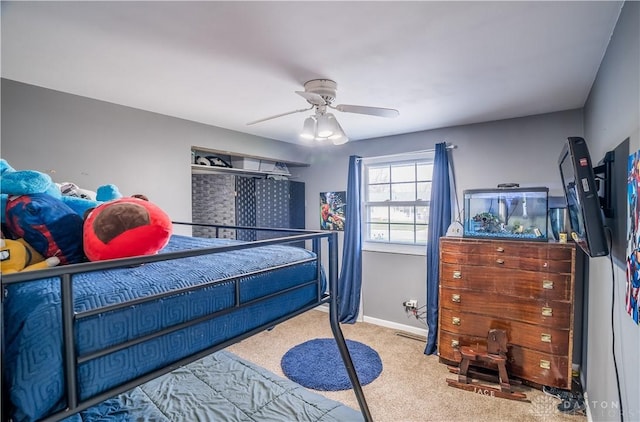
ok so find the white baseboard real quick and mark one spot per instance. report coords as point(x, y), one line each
point(323, 308)
point(394, 325)
point(384, 323)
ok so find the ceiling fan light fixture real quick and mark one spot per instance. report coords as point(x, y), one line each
point(309, 128)
point(323, 126)
point(326, 125)
point(339, 140)
point(338, 137)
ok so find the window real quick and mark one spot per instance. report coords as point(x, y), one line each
point(397, 191)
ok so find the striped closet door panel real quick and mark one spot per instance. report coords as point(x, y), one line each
point(297, 208)
point(272, 206)
point(213, 202)
point(296, 205)
point(245, 207)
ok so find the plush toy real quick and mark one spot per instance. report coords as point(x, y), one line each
point(71, 189)
point(125, 227)
point(35, 208)
point(26, 182)
point(22, 182)
point(17, 256)
point(108, 193)
point(47, 224)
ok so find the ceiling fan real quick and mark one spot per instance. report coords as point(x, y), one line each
point(321, 93)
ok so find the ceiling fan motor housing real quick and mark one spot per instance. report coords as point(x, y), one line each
point(326, 88)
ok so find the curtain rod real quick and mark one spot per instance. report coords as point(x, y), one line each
point(449, 147)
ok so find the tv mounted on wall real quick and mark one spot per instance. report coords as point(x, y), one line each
point(583, 202)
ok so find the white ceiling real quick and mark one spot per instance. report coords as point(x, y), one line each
point(227, 63)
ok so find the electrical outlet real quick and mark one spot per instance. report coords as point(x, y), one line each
point(411, 304)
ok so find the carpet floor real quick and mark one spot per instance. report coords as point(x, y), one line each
point(411, 387)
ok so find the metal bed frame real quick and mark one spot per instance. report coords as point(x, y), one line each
point(72, 360)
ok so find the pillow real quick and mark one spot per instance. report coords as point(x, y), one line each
point(47, 224)
point(125, 227)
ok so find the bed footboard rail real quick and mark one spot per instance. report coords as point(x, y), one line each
point(70, 317)
point(337, 331)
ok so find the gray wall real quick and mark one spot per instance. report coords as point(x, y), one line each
point(611, 114)
point(92, 143)
point(523, 150)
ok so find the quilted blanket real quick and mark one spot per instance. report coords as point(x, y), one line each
point(220, 387)
point(33, 367)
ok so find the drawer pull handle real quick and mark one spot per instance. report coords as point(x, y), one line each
point(455, 321)
point(500, 261)
point(499, 249)
point(547, 284)
point(546, 311)
point(455, 344)
point(457, 274)
point(545, 338)
point(545, 364)
point(455, 298)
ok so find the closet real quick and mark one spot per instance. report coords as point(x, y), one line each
point(241, 200)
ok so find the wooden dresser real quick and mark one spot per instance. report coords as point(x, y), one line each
point(526, 288)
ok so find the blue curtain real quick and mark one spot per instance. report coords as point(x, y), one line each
point(350, 280)
point(439, 221)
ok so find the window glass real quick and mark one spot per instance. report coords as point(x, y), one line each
point(403, 173)
point(379, 193)
point(423, 191)
point(378, 232)
point(396, 203)
point(403, 191)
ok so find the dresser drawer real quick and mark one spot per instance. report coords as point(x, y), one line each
point(510, 282)
point(497, 261)
point(549, 314)
point(496, 248)
point(544, 339)
point(540, 368)
point(448, 346)
point(537, 367)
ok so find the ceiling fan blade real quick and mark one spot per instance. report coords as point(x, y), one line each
point(373, 111)
point(312, 97)
point(279, 115)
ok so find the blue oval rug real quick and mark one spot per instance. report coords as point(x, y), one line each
point(317, 364)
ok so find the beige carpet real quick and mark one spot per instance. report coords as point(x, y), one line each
point(412, 386)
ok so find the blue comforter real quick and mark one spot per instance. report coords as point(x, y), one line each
point(33, 361)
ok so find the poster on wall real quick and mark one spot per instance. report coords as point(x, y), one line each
point(332, 210)
point(632, 291)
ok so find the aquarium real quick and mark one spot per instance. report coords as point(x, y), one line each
point(508, 213)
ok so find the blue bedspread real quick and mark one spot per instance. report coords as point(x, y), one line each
point(33, 361)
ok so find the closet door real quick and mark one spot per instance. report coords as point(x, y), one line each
point(297, 208)
point(272, 206)
point(245, 207)
point(213, 202)
point(296, 205)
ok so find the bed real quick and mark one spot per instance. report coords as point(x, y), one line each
point(76, 335)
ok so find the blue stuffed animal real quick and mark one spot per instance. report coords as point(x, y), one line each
point(26, 182)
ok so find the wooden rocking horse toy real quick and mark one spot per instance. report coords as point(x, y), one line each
point(495, 354)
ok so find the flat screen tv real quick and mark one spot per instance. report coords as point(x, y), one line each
point(583, 203)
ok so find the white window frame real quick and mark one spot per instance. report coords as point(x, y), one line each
point(395, 159)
